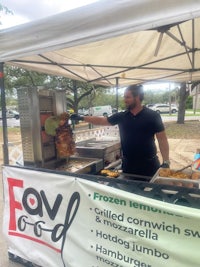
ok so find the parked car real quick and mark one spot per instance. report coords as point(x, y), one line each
point(11, 114)
point(164, 108)
point(83, 111)
point(149, 105)
point(100, 111)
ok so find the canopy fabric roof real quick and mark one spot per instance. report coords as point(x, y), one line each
point(129, 41)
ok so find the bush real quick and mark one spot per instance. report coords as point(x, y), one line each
point(189, 102)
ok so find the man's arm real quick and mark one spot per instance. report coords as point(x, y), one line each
point(163, 145)
point(96, 120)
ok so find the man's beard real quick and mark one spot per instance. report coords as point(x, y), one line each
point(131, 106)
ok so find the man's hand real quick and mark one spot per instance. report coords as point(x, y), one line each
point(76, 117)
point(166, 164)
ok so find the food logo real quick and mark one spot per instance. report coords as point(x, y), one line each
point(33, 203)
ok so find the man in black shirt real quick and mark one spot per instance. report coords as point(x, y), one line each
point(138, 128)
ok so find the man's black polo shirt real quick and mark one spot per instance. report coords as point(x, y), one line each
point(137, 132)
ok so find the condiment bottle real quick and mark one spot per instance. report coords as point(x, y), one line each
point(196, 162)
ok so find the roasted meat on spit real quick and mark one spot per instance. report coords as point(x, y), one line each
point(59, 127)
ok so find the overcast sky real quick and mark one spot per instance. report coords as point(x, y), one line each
point(28, 10)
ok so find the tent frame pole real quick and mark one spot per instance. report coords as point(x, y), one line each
point(117, 96)
point(4, 119)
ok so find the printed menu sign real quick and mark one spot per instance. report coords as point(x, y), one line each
point(53, 220)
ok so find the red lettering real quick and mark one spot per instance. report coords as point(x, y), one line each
point(13, 203)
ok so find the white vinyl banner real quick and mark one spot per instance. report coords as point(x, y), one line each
point(58, 220)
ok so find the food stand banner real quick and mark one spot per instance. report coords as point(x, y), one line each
point(52, 219)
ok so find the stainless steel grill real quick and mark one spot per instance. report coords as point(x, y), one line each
point(107, 150)
point(81, 165)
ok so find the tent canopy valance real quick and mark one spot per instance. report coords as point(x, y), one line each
point(132, 41)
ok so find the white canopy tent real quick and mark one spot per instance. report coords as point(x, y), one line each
point(134, 41)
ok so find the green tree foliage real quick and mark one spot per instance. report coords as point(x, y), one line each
point(4, 10)
point(77, 93)
point(16, 77)
point(104, 96)
point(161, 96)
point(80, 94)
point(189, 102)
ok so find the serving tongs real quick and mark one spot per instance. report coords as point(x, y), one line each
point(182, 169)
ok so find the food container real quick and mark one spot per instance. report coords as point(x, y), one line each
point(108, 150)
point(186, 178)
point(80, 165)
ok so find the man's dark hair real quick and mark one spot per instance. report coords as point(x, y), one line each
point(136, 90)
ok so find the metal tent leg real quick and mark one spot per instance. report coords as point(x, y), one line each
point(4, 119)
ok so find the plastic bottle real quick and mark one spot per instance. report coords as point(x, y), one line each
point(196, 162)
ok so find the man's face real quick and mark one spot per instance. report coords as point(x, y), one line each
point(129, 100)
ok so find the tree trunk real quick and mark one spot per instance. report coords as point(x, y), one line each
point(183, 94)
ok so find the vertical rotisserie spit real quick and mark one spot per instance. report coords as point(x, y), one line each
point(59, 127)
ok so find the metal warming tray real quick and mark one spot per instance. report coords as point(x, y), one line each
point(107, 150)
point(185, 182)
point(84, 165)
